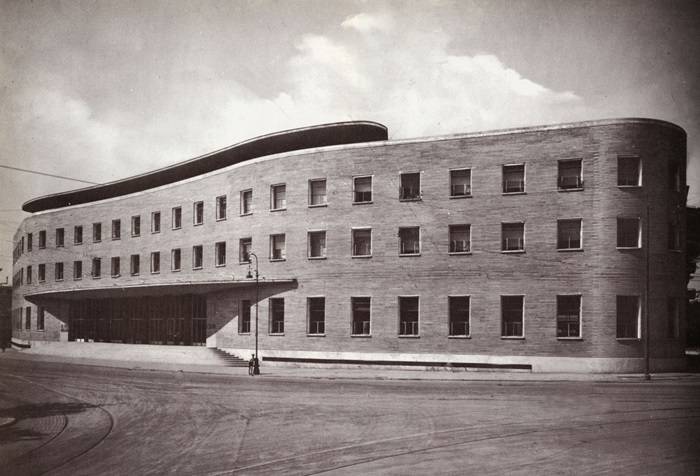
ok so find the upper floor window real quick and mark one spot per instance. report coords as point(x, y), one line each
point(42, 239)
point(96, 232)
point(460, 238)
point(77, 235)
point(135, 265)
point(408, 315)
point(60, 237)
point(58, 271)
point(155, 222)
point(459, 316)
point(570, 175)
point(674, 236)
point(512, 316)
point(176, 218)
point(155, 262)
point(77, 270)
point(514, 178)
point(674, 177)
point(316, 307)
point(96, 267)
point(116, 229)
point(460, 183)
point(30, 241)
point(409, 186)
point(246, 202)
point(198, 215)
point(245, 247)
point(628, 317)
point(362, 189)
point(175, 256)
point(409, 240)
point(361, 315)
point(41, 273)
point(220, 253)
point(628, 233)
point(197, 257)
point(278, 197)
point(277, 247)
point(362, 242)
point(569, 234)
point(221, 207)
point(136, 225)
point(317, 244)
point(568, 316)
point(276, 315)
point(29, 274)
point(116, 267)
point(317, 192)
point(513, 236)
point(28, 318)
point(629, 172)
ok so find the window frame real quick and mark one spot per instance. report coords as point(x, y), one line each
point(60, 237)
point(274, 189)
point(241, 307)
point(221, 205)
point(198, 213)
point(135, 226)
point(518, 250)
point(580, 233)
point(40, 318)
point(504, 182)
point(176, 218)
point(450, 229)
point(155, 262)
point(638, 318)
point(135, 264)
point(155, 222)
point(41, 273)
point(580, 184)
point(96, 268)
point(309, 246)
point(97, 232)
point(450, 333)
point(401, 241)
point(353, 230)
point(639, 233)
point(413, 198)
point(30, 242)
point(115, 260)
point(42, 240)
point(640, 182)
point(522, 317)
point(399, 301)
point(217, 251)
point(78, 235)
point(241, 242)
point(309, 332)
point(197, 250)
point(468, 194)
point(354, 299)
point(77, 270)
point(246, 208)
point(175, 252)
point(271, 316)
point(355, 192)
point(58, 273)
point(324, 203)
point(116, 229)
point(580, 316)
point(273, 240)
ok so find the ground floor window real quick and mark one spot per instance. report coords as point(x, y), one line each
point(673, 316)
point(459, 315)
point(408, 315)
point(628, 317)
point(360, 315)
point(512, 316)
point(244, 327)
point(40, 319)
point(317, 315)
point(276, 315)
point(28, 318)
point(568, 316)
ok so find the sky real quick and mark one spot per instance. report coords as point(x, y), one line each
point(101, 90)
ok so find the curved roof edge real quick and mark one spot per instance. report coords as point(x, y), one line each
point(338, 133)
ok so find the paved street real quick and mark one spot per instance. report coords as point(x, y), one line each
point(71, 419)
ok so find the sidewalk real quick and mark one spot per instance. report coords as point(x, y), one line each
point(275, 371)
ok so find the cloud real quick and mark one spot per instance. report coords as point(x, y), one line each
point(365, 22)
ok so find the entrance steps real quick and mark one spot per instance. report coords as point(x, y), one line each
point(230, 360)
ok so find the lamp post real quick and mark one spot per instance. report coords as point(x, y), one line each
point(256, 361)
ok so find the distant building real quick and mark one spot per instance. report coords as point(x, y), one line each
point(5, 316)
point(522, 248)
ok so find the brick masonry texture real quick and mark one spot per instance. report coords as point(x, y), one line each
point(599, 273)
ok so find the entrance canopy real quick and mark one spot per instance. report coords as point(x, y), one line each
point(161, 289)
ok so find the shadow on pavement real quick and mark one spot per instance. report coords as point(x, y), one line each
point(14, 432)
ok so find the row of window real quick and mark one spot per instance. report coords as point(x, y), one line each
point(568, 316)
point(569, 178)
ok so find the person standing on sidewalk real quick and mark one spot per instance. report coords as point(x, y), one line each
point(251, 366)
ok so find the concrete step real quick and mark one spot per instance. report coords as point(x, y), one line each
point(230, 360)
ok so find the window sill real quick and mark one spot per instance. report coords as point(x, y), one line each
point(512, 251)
point(222, 265)
point(175, 270)
point(42, 247)
point(155, 272)
point(62, 246)
point(278, 209)
point(77, 244)
point(317, 257)
point(361, 256)
point(569, 338)
point(196, 268)
point(77, 279)
point(246, 214)
point(95, 241)
point(408, 255)
point(512, 337)
point(198, 224)
point(315, 335)
point(628, 187)
point(113, 239)
point(177, 228)
point(221, 219)
point(459, 337)
point(135, 274)
point(96, 277)
point(59, 280)
point(627, 248)
point(243, 333)
point(458, 253)
point(318, 205)
point(276, 334)
point(410, 199)
point(628, 339)
point(408, 336)
point(272, 260)
point(363, 203)
point(243, 262)
point(452, 197)
point(155, 232)
point(569, 249)
point(514, 193)
point(360, 335)
point(136, 236)
point(573, 189)
point(116, 275)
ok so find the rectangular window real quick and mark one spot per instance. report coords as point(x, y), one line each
point(277, 247)
point(116, 267)
point(175, 256)
point(278, 197)
point(628, 317)
point(674, 237)
point(317, 192)
point(245, 317)
point(409, 240)
point(176, 218)
point(570, 175)
point(512, 316)
point(674, 318)
point(408, 315)
point(459, 316)
point(78, 235)
point(629, 172)
point(60, 237)
point(41, 273)
point(197, 257)
point(276, 315)
point(198, 214)
point(569, 234)
point(77, 270)
point(30, 241)
point(136, 225)
point(220, 253)
point(514, 178)
point(40, 318)
point(29, 274)
point(460, 238)
point(460, 183)
point(317, 244)
point(58, 271)
point(628, 233)
point(96, 267)
point(155, 262)
point(246, 202)
point(245, 247)
point(361, 314)
point(317, 315)
point(155, 222)
point(409, 187)
point(221, 207)
point(96, 232)
point(674, 177)
point(28, 318)
point(42, 239)
point(135, 265)
point(116, 229)
point(513, 236)
point(362, 242)
point(568, 316)
point(362, 189)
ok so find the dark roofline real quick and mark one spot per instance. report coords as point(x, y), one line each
point(339, 133)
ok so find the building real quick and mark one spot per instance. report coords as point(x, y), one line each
point(5, 313)
point(541, 247)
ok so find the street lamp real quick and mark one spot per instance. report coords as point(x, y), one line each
point(256, 363)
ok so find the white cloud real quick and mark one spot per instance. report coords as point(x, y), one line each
point(365, 22)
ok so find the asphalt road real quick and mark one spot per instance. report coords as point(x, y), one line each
point(73, 420)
